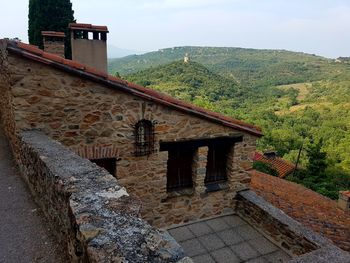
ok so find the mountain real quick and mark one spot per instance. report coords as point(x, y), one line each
point(299, 100)
point(250, 67)
point(188, 81)
point(116, 52)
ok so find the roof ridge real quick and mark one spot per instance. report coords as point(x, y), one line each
point(34, 53)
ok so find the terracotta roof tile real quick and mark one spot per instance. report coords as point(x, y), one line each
point(345, 193)
point(34, 53)
point(96, 72)
point(53, 34)
point(74, 64)
point(306, 206)
point(283, 167)
point(30, 48)
point(117, 80)
point(53, 57)
point(90, 27)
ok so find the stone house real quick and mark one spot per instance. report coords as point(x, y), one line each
point(182, 161)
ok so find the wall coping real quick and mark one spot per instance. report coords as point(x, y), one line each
point(105, 216)
point(326, 251)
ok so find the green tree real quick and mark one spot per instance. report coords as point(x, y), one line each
point(317, 159)
point(49, 15)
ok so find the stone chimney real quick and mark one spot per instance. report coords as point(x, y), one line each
point(53, 42)
point(89, 45)
point(344, 200)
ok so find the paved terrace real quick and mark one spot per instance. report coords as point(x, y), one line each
point(24, 235)
point(226, 239)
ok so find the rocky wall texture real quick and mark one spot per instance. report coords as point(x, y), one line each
point(7, 112)
point(87, 116)
point(299, 241)
point(92, 215)
point(54, 47)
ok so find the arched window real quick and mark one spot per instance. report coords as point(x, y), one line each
point(144, 138)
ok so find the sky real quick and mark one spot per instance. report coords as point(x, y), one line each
point(319, 27)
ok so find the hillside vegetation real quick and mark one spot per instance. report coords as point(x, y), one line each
point(300, 101)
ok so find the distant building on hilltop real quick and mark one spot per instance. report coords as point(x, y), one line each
point(186, 58)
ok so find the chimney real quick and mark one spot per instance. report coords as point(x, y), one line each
point(270, 154)
point(53, 42)
point(344, 200)
point(89, 45)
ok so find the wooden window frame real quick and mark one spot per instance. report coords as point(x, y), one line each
point(180, 169)
point(216, 170)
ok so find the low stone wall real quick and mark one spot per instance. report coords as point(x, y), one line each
point(90, 212)
point(299, 241)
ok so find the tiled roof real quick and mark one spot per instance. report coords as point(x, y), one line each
point(282, 166)
point(89, 27)
point(306, 206)
point(52, 34)
point(346, 193)
point(74, 67)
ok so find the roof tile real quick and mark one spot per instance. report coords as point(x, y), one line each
point(53, 57)
point(306, 206)
point(283, 167)
point(82, 26)
point(30, 48)
point(53, 34)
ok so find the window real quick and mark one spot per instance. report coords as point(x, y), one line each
point(179, 174)
point(109, 164)
point(144, 138)
point(217, 163)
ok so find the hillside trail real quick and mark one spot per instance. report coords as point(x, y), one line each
point(24, 234)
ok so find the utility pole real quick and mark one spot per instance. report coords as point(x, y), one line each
point(298, 158)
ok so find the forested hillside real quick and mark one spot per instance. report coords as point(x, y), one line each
point(301, 101)
point(247, 66)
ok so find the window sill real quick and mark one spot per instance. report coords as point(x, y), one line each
point(214, 187)
point(181, 192)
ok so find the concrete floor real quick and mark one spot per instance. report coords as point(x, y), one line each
point(226, 239)
point(24, 235)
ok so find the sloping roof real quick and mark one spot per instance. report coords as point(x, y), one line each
point(306, 206)
point(282, 166)
point(73, 67)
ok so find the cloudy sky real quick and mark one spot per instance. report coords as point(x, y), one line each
point(313, 26)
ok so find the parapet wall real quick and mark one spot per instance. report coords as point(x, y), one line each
point(300, 242)
point(90, 212)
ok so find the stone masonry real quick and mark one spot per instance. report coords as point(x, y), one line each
point(88, 116)
point(92, 216)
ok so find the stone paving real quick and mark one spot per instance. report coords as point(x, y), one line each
point(226, 239)
point(24, 235)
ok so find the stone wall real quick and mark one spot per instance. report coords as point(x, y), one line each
point(7, 117)
point(284, 230)
point(301, 243)
point(83, 114)
point(54, 47)
point(91, 214)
